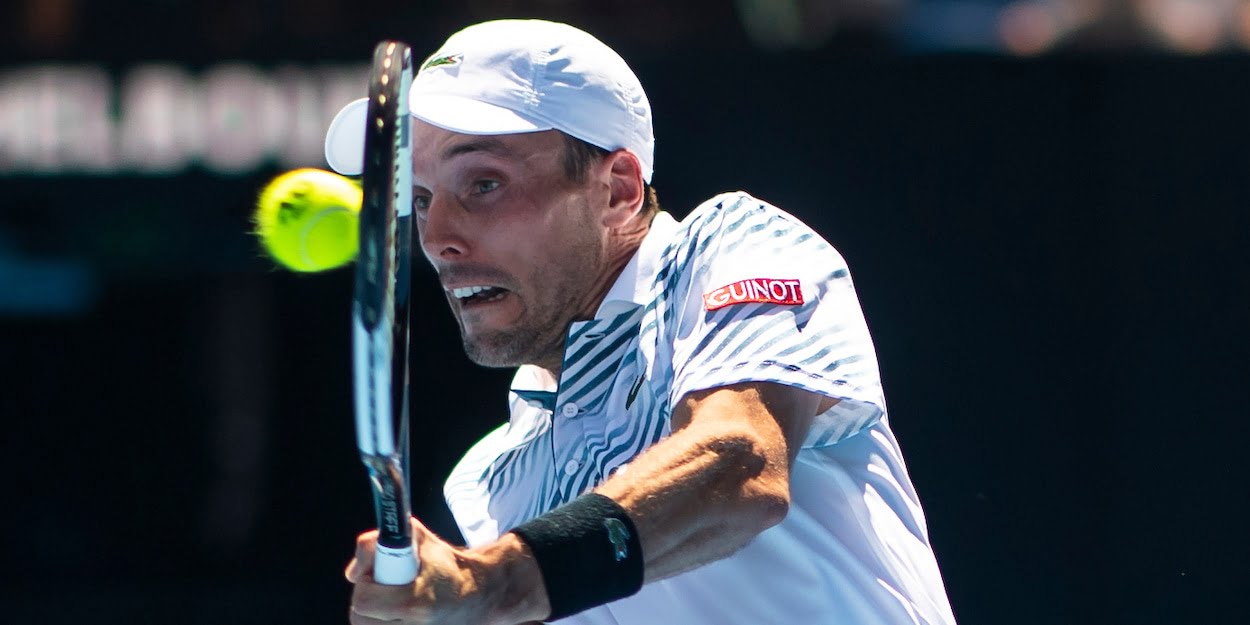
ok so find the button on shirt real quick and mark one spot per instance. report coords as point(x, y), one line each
point(739, 291)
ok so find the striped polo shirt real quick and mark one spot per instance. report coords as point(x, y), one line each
point(739, 291)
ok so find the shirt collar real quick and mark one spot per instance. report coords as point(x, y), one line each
point(633, 286)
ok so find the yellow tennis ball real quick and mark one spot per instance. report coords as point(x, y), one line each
point(308, 219)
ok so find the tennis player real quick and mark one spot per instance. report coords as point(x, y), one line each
point(698, 433)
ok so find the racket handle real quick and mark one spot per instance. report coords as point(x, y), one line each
point(394, 567)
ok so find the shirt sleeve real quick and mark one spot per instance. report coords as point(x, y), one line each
point(766, 299)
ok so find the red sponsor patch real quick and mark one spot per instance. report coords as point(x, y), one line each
point(760, 290)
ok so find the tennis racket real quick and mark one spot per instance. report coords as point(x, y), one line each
point(380, 309)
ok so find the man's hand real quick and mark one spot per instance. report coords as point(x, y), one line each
point(495, 584)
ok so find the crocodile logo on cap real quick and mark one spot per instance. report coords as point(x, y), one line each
point(442, 61)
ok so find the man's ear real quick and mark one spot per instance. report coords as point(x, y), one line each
point(625, 186)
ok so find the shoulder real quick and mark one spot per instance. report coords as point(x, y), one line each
point(725, 206)
point(734, 203)
point(737, 234)
point(736, 219)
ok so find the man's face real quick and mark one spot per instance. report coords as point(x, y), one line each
point(519, 248)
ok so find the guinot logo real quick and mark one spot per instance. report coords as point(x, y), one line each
point(786, 292)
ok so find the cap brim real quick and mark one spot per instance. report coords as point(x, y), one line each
point(345, 138)
point(471, 117)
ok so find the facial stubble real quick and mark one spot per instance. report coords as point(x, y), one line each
point(552, 295)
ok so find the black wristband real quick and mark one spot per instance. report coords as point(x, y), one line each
point(588, 552)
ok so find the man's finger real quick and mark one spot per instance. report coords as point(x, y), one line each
point(362, 564)
point(356, 618)
point(383, 603)
point(419, 532)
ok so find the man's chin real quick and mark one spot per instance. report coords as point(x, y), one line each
point(487, 353)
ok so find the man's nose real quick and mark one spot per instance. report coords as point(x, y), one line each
point(442, 230)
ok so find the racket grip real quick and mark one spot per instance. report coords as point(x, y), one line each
point(394, 567)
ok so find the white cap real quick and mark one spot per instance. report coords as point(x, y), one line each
point(514, 76)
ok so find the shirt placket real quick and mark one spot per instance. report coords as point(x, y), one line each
point(576, 411)
point(568, 435)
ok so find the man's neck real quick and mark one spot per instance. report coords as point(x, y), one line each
point(554, 363)
point(625, 243)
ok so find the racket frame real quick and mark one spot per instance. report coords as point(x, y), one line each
point(380, 313)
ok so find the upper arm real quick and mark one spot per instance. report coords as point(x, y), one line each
point(814, 339)
point(776, 415)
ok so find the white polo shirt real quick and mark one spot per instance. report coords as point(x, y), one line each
point(739, 291)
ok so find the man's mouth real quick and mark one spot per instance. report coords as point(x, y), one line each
point(471, 295)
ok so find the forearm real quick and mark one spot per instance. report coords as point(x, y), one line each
point(699, 495)
point(694, 498)
point(703, 493)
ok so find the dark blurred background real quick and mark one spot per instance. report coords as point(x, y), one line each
point(1043, 203)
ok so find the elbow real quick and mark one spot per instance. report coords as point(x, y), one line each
point(769, 507)
point(776, 508)
point(760, 479)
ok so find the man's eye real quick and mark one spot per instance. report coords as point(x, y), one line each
point(420, 202)
point(485, 186)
